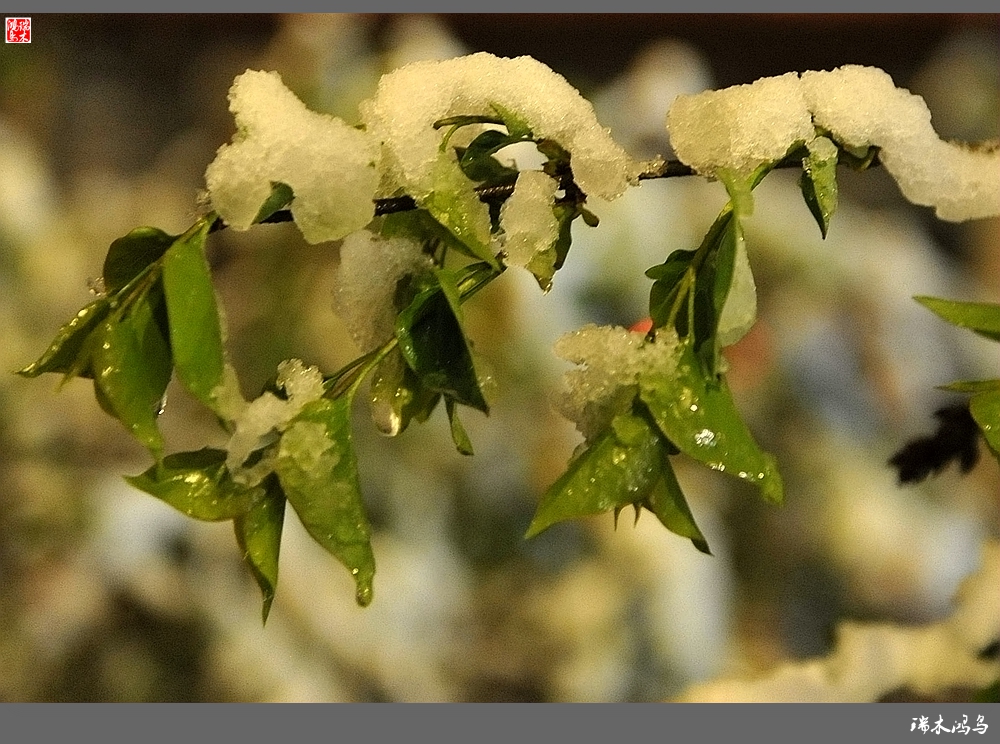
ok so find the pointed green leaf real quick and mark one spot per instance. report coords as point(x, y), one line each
point(195, 331)
point(667, 502)
point(981, 317)
point(130, 255)
point(697, 414)
point(971, 386)
point(666, 285)
point(398, 397)
point(281, 196)
point(318, 471)
point(420, 226)
point(69, 354)
point(739, 308)
point(455, 210)
point(619, 468)
point(258, 533)
point(458, 435)
point(819, 181)
point(433, 342)
point(985, 409)
point(132, 366)
point(198, 485)
point(477, 161)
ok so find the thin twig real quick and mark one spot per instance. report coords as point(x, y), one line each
point(405, 203)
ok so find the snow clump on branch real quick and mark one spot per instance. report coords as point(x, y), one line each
point(328, 164)
point(612, 360)
point(745, 126)
point(411, 99)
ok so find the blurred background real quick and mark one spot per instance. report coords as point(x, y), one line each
point(108, 122)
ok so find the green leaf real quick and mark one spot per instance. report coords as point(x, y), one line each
point(198, 485)
point(455, 211)
point(318, 471)
point(666, 285)
point(433, 342)
point(740, 192)
point(620, 467)
point(69, 353)
point(819, 181)
point(258, 533)
point(971, 386)
point(985, 409)
point(281, 196)
point(712, 287)
point(739, 306)
point(697, 414)
point(132, 254)
point(981, 317)
point(132, 367)
point(462, 442)
point(667, 502)
point(516, 125)
point(195, 331)
point(418, 225)
point(398, 397)
point(477, 161)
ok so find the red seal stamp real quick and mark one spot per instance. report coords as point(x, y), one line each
point(17, 30)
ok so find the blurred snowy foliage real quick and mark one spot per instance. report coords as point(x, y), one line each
point(111, 595)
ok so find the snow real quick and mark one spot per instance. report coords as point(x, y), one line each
point(410, 99)
point(528, 222)
point(365, 284)
point(261, 418)
point(872, 660)
point(742, 127)
point(327, 164)
point(613, 359)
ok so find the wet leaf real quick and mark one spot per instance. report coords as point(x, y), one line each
point(455, 211)
point(620, 467)
point(195, 331)
point(697, 414)
point(132, 367)
point(398, 397)
point(418, 225)
point(458, 435)
point(198, 485)
point(132, 254)
point(317, 468)
point(433, 342)
point(819, 181)
point(69, 353)
point(985, 409)
point(258, 533)
point(667, 502)
point(981, 317)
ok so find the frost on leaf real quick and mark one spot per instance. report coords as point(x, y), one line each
point(408, 102)
point(612, 360)
point(370, 269)
point(261, 418)
point(743, 127)
point(529, 225)
point(327, 163)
